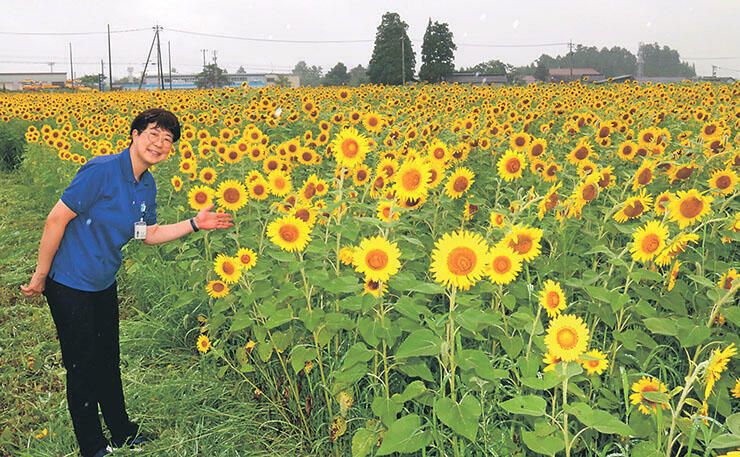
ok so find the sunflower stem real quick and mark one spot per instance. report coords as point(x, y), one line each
point(565, 412)
point(675, 413)
point(451, 342)
point(534, 326)
point(715, 309)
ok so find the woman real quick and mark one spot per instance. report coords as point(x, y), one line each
point(111, 200)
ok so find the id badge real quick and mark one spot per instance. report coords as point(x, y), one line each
point(140, 230)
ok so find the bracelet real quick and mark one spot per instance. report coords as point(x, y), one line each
point(192, 223)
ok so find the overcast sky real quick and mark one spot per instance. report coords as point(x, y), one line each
point(706, 32)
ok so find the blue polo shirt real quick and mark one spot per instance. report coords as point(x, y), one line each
point(107, 200)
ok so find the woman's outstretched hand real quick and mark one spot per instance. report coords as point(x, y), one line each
point(209, 220)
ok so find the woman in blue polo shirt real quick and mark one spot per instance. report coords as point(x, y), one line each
point(110, 199)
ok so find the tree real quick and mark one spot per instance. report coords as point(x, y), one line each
point(492, 67)
point(310, 76)
point(393, 57)
point(544, 63)
point(282, 81)
point(92, 81)
point(241, 70)
point(664, 62)
point(337, 76)
point(437, 53)
point(211, 77)
point(358, 75)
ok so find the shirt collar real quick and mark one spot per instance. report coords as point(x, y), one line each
point(127, 169)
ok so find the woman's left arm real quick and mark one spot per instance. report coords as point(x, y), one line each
point(205, 220)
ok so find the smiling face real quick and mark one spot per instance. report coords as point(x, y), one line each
point(150, 146)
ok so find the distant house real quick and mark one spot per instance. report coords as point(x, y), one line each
point(477, 79)
point(32, 81)
point(529, 79)
point(187, 81)
point(557, 75)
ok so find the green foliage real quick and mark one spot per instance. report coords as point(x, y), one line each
point(609, 62)
point(492, 67)
point(12, 144)
point(664, 62)
point(92, 81)
point(211, 77)
point(393, 57)
point(337, 76)
point(437, 53)
point(310, 76)
point(358, 75)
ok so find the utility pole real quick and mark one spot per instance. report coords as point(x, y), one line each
point(101, 78)
point(110, 64)
point(71, 67)
point(160, 73)
point(640, 61)
point(51, 67)
point(214, 58)
point(403, 61)
point(146, 64)
point(570, 55)
point(169, 61)
point(714, 71)
point(204, 57)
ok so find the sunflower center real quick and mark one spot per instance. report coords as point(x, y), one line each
point(710, 129)
point(350, 148)
point(593, 363)
point(691, 207)
point(523, 244)
point(501, 264)
point(372, 121)
point(218, 287)
point(201, 198)
point(259, 189)
point(377, 259)
point(684, 172)
point(567, 338)
point(373, 285)
point(289, 233)
point(228, 268)
point(723, 182)
point(650, 243)
point(581, 153)
point(553, 299)
point(460, 184)
point(633, 209)
point(552, 202)
point(551, 170)
point(461, 261)
point(245, 259)
point(439, 153)
point(231, 195)
point(310, 190)
point(645, 176)
point(411, 179)
point(519, 141)
point(307, 156)
point(302, 214)
point(589, 192)
point(627, 151)
point(207, 176)
point(513, 166)
point(604, 181)
point(536, 150)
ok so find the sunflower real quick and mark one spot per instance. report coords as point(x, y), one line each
point(377, 258)
point(585, 192)
point(634, 207)
point(200, 197)
point(552, 298)
point(361, 175)
point(504, 264)
point(649, 241)
point(689, 207)
point(537, 148)
point(258, 189)
point(204, 344)
point(289, 233)
point(410, 181)
point(580, 152)
point(373, 122)
point(519, 141)
point(736, 389)
point(661, 203)
point(717, 364)
point(347, 255)
point(710, 131)
point(673, 275)
point(677, 246)
point(728, 278)
point(459, 259)
point(627, 150)
point(524, 240)
point(374, 288)
point(176, 183)
point(644, 175)
point(497, 219)
point(459, 182)
point(232, 195)
point(386, 212)
point(436, 173)
point(438, 151)
point(596, 364)
point(550, 174)
point(511, 165)
point(217, 289)
point(723, 180)
point(279, 183)
point(207, 175)
point(305, 213)
point(188, 166)
point(228, 268)
point(549, 202)
point(550, 362)
point(350, 148)
point(567, 337)
point(247, 258)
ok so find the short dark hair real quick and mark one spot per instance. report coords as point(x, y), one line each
point(161, 118)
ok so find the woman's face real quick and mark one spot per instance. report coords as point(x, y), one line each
point(152, 145)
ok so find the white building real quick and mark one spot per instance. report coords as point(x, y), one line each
point(27, 81)
point(187, 81)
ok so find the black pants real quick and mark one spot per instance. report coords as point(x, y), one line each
point(87, 326)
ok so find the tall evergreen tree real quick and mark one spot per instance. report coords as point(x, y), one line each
point(437, 53)
point(393, 57)
point(211, 77)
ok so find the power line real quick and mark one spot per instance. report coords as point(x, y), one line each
point(265, 40)
point(71, 33)
point(535, 45)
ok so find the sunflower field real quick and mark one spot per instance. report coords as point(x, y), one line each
point(444, 269)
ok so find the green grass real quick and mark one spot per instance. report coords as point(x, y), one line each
point(170, 389)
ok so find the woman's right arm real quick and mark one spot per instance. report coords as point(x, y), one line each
point(56, 223)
